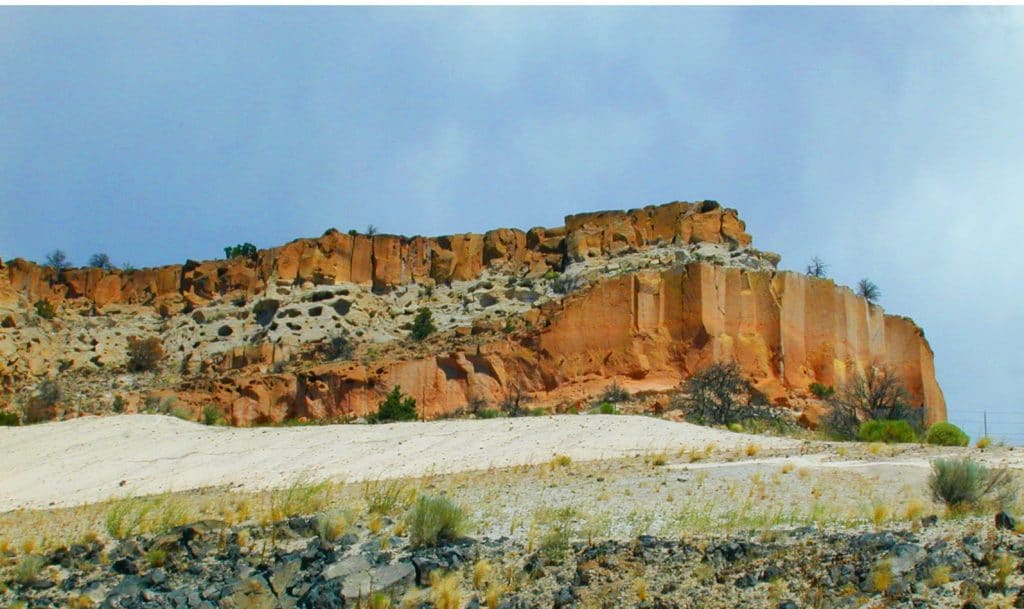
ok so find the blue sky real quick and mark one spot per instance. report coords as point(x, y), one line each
point(888, 141)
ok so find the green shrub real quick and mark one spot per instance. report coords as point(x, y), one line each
point(434, 519)
point(822, 392)
point(607, 408)
point(881, 430)
point(180, 412)
point(564, 284)
point(558, 530)
point(423, 325)
point(946, 434)
point(395, 407)
point(242, 250)
point(156, 557)
point(45, 309)
point(9, 419)
point(488, 413)
point(212, 415)
point(964, 484)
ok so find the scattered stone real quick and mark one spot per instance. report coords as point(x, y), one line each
point(1005, 521)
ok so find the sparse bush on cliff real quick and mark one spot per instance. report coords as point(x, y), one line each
point(890, 432)
point(45, 309)
point(101, 261)
point(817, 268)
point(339, 347)
point(435, 518)
point(822, 392)
point(41, 404)
point(614, 394)
point(564, 284)
point(867, 290)
point(964, 484)
point(946, 434)
point(876, 394)
point(144, 354)
point(57, 259)
point(242, 250)
point(514, 404)
point(395, 407)
point(423, 325)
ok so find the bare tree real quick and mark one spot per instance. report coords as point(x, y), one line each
point(371, 230)
point(57, 259)
point(876, 394)
point(101, 261)
point(817, 268)
point(717, 395)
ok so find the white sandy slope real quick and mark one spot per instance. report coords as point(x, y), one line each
point(92, 459)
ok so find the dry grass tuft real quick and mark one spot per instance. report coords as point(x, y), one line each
point(881, 577)
point(481, 573)
point(940, 574)
point(446, 590)
point(560, 461)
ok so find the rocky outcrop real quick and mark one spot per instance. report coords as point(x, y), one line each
point(654, 313)
point(381, 261)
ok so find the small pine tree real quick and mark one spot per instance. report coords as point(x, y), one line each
point(867, 290)
point(396, 407)
point(242, 250)
point(423, 326)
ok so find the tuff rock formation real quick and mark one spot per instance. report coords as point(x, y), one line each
point(662, 292)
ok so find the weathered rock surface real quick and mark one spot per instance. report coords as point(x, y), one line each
point(381, 261)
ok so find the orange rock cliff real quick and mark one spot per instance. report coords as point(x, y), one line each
point(646, 323)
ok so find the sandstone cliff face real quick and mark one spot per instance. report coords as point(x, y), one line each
point(655, 329)
point(383, 261)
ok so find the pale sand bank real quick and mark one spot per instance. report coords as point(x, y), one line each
point(92, 459)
